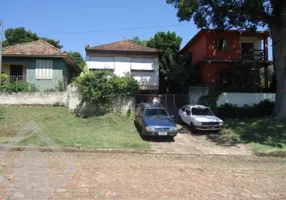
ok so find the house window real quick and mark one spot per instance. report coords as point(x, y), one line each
point(44, 69)
point(223, 45)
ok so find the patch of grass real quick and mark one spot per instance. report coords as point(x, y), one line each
point(67, 130)
point(263, 134)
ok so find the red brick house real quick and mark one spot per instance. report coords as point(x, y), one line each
point(232, 58)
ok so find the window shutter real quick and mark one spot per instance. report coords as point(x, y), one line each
point(44, 69)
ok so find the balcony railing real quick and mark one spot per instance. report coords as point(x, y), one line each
point(253, 54)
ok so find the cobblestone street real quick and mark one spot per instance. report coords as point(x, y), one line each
point(39, 175)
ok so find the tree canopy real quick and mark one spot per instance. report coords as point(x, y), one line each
point(21, 35)
point(173, 74)
point(77, 58)
point(137, 40)
point(244, 14)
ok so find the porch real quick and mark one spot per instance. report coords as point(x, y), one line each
point(15, 72)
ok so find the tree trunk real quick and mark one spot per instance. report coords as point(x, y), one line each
point(279, 49)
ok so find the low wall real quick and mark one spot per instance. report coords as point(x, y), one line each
point(34, 98)
point(241, 99)
point(84, 109)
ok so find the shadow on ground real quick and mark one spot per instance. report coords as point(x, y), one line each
point(211, 136)
point(265, 131)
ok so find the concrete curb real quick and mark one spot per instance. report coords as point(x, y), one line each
point(280, 154)
point(72, 149)
point(129, 151)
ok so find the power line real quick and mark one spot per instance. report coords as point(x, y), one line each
point(113, 30)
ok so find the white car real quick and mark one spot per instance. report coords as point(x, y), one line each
point(200, 118)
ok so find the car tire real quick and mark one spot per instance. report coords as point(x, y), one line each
point(192, 127)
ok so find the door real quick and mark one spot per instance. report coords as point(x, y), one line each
point(247, 50)
point(16, 72)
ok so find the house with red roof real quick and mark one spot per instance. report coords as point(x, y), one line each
point(231, 59)
point(127, 57)
point(38, 63)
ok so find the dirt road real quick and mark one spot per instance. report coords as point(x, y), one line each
point(39, 175)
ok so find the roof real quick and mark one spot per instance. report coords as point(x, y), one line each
point(241, 32)
point(122, 46)
point(38, 48)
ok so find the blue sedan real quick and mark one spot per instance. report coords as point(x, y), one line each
point(154, 120)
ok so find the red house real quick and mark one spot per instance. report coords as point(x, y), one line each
point(232, 58)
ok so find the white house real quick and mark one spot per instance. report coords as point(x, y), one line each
point(127, 57)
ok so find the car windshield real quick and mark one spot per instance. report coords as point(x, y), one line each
point(156, 113)
point(201, 111)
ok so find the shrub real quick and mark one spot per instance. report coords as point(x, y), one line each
point(102, 88)
point(20, 86)
point(263, 109)
point(4, 82)
point(61, 86)
point(50, 90)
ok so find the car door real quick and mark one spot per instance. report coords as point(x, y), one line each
point(187, 115)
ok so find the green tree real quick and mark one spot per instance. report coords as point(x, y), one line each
point(21, 35)
point(77, 58)
point(244, 14)
point(173, 74)
point(138, 41)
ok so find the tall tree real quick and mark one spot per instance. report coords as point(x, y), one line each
point(244, 14)
point(21, 35)
point(137, 40)
point(173, 74)
point(77, 58)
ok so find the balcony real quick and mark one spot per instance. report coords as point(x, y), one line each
point(253, 54)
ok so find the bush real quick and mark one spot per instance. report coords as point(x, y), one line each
point(103, 88)
point(263, 109)
point(61, 86)
point(20, 86)
point(4, 82)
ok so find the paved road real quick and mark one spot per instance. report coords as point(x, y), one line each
point(39, 175)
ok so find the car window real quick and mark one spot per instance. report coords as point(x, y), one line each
point(183, 108)
point(156, 112)
point(201, 111)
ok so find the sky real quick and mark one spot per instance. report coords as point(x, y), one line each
point(78, 23)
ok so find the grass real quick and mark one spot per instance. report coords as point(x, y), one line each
point(66, 130)
point(263, 134)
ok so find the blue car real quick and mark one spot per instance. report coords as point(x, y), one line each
point(154, 120)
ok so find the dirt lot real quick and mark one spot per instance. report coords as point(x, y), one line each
point(38, 175)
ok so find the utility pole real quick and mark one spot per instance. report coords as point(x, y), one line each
point(1, 38)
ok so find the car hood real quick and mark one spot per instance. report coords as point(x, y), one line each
point(158, 121)
point(207, 119)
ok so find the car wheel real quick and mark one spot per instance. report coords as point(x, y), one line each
point(192, 127)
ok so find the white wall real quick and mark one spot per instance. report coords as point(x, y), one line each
point(34, 98)
point(144, 70)
point(241, 99)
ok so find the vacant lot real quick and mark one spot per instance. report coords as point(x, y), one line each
point(263, 134)
point(66, 130)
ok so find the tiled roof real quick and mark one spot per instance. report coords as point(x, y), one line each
point(124, 45)
point(34, 48)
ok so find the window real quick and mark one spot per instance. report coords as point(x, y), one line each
point(183, 108)
point(202, 111)
point(223, 45)
point(44, 69)
point(156, 113)
point(142, 64)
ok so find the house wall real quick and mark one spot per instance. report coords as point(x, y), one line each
point(233, 53)
point(199, 49)
point(60, 71)
point(145, 69)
